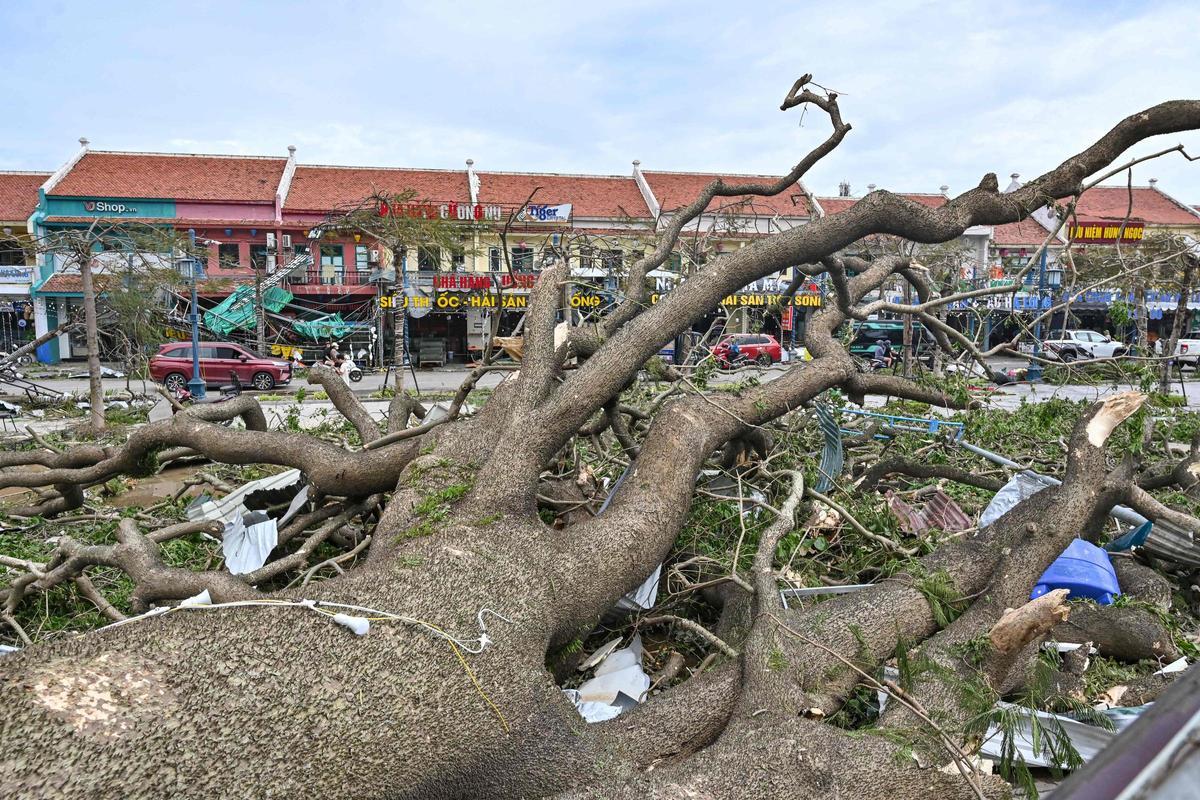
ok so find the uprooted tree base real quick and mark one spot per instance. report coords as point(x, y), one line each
point(484, 565)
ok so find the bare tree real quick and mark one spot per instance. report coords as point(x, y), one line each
point(467, 591)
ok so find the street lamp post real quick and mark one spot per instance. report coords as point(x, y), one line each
point(1034, 373)
point(196, 384)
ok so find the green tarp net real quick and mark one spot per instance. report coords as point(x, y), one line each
point(331, 326)
point(236, 312)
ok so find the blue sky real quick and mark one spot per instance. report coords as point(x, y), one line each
point(937, 92)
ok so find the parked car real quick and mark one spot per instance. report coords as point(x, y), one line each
point(1187, 351)
point(760, 348)
point(219, 363)
point(1072, 345)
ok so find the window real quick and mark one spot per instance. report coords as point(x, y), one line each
point(228, 352)
point(228, 255)
point(333, 263)
point(301, 250)
point(362, 258)
point(179, 352)
point(208, 352)
point(429, 259)
point(11, 254)
point(675, 262)
point(611, 260)
point(495, 261)
point(587, 255)
point(258, 256)
point(458, 259)
point(522, 258)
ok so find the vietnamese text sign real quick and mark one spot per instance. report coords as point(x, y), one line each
point(1107, 232)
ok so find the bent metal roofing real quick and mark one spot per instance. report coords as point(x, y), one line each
point(250, 179)
point(19, 194)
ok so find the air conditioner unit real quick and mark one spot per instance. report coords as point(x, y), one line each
point(270, 243)
point(373, 256)
point(270, 264)
point(287, 241)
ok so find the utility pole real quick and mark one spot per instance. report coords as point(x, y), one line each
point(260, 313)
point(908, 332)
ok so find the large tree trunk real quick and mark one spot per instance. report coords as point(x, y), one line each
point(280, 699)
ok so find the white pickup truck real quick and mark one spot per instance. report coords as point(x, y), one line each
point(1187, 351)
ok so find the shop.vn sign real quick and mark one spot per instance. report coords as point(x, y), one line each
point(107, 207)
point(1106, 232)
point(464, 212)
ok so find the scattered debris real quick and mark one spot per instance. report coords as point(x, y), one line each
point(1084, 570)
point(620, 683)
point(643, 597)
point(1023, 486)
point(232, 506)
point(940, 512)
point(248, 541)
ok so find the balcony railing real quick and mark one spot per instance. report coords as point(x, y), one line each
point(329, 276)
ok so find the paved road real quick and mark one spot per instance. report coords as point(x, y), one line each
point(448, 379)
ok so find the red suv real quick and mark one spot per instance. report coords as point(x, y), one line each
point(760, 348)
point(219, 362)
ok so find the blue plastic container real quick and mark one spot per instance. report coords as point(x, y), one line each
point(1085, 570)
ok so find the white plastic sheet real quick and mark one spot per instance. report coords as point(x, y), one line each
point(1022, 487)
point(643, 597)
point(202, 599)
point(246, 547)
point(619, 683)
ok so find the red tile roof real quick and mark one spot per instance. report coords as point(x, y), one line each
point(172, 176)
point(72, 283)
point(1025, 232)
point(19, 194)
point(601, 196)
point(323, 188)
point(674, 190)
point(1149, 204)
point(833, 205)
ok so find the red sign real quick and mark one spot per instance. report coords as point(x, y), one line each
point(1107, 232)
point(457, 211)
point(467, 282)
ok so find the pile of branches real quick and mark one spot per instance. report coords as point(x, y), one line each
point(426, 670)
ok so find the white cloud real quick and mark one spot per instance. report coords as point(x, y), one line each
point(937, 92)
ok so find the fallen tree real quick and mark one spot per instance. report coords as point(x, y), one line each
point(468, 591)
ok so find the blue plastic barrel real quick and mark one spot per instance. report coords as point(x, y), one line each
point(1084, 570)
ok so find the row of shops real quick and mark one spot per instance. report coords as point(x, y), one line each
point(263, 224)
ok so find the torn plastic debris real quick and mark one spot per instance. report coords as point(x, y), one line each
point(1084, 570)
point(5, 649)
point(1178, 665)
point(233, 505)
point(1088, 740)
point(643, 597)
point(248, 541)
point(202, 599)
point(619, 684)
point(297, 503)
point(1023, 486)
point(360, 625)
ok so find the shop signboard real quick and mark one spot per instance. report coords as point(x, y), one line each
point(463, 212)
point(1107, 232)
point(542, 212)
point(17, 275)
point(109, 208)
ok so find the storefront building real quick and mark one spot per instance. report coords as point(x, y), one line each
point(18, 199)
